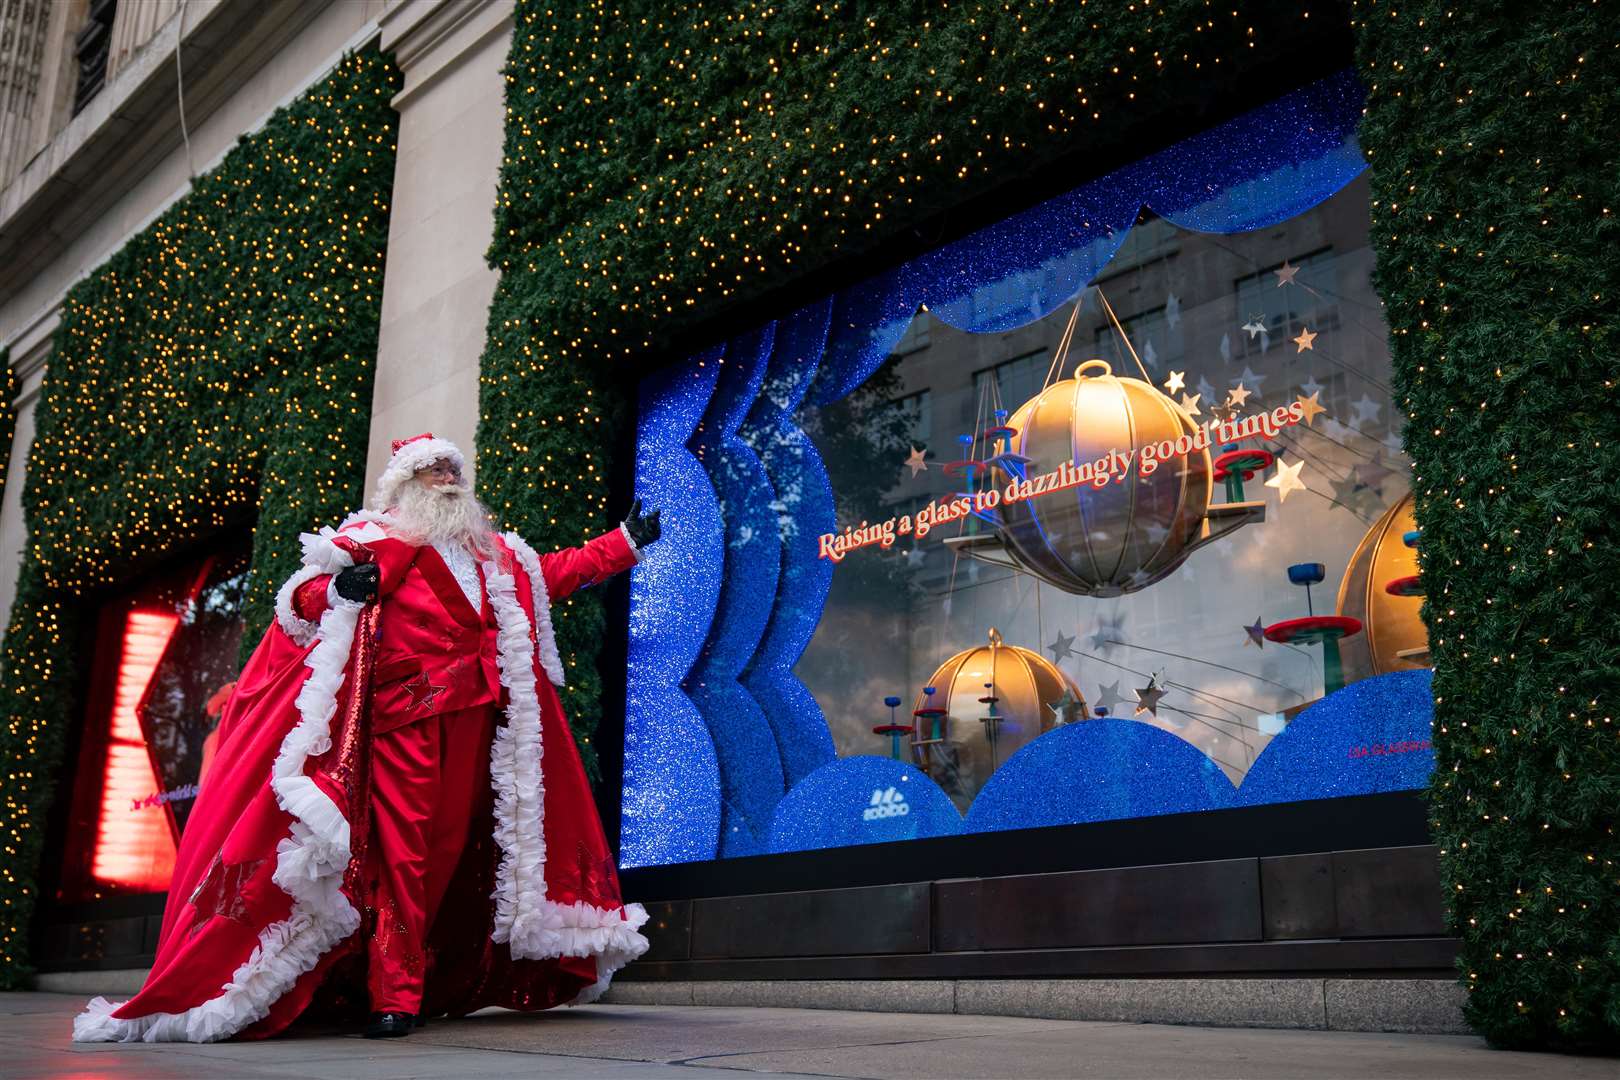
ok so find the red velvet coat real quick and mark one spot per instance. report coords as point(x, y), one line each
point(264, 904)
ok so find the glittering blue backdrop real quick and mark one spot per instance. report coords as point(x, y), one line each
point(724, 746)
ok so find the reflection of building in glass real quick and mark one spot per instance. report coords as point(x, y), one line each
point(1282, 312)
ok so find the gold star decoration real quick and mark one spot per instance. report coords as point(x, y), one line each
point(1312, 406)
point(1176, 381)
point(1287, 479)
point(1285, 275)
point(916, 461)
point(1306, 336)
point(1237, 396)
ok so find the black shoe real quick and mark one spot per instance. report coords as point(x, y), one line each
point(390, 1025)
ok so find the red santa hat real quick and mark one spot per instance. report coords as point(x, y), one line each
point(410, 456)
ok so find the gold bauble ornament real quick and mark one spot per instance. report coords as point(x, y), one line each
point(975, 736)
point(1127, 534)
point(1395, 638)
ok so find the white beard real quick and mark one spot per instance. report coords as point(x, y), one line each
point(443, 514)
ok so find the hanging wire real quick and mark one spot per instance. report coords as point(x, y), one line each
point(1119, 328)
point(180, 89)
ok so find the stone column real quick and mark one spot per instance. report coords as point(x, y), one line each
point(436, 285)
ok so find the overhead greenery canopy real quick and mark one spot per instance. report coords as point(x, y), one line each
point(216, 369)
point(1496, 187)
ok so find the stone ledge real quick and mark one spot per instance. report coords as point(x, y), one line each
point(1417, 1006)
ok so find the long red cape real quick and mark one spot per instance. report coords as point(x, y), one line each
point(265, 903)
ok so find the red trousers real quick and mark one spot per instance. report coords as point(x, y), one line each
point(427, 779)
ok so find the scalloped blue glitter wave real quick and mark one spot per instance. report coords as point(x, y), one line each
point(751, 779)
point(1099, 770)
point(849, 801)
point(671, 796)
point(1371, 736)
point(1266, 166)
point(805, 510)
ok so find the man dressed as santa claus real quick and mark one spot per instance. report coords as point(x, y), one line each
point(396, 811)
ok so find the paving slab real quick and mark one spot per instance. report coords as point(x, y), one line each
point(653, 1042)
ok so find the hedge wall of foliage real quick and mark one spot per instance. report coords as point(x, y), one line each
point(1496, 186)
point(217, 369)
point(661, 162)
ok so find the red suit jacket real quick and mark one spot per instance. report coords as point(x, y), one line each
point(265, 897)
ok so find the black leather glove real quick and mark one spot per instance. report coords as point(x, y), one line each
point(358, 583)
point(643, 528)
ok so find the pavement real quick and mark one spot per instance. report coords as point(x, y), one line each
point(652, 1042)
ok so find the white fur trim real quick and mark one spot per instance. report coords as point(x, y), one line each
point(310, 863)
point(515, 776)
point(637, 552)
point(321, 556)
point(612, 936)
point(404, 464)
point(549, 659)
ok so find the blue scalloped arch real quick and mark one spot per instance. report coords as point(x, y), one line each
point(862, 800)
point(1371, 736)
point(1099, 770)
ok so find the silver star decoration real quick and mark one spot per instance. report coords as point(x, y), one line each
point(1147, 698)
point(1176, 381)
point(1061, 648)
point(1248, 379)
point(1367, 410)
point(1172, 311)
point(1226, 348)
point(1311, 386)
point(1257, 634)
point(914, 558)
point(1191, 404)
point(1139, 577)
point(1064, 705)
point(1149, 356)
point(1335, 430)
point(1254, 327)
point(1109, 630)
point(1108, 695)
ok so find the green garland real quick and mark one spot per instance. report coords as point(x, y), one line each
point(662, 161)
point(1496, 188)
point(215, 371)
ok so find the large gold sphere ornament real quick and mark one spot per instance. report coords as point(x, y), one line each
point(1395, 638)
point(1123, 530)
point(990, 701)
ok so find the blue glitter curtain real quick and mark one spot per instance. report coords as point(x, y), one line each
point(718, 729)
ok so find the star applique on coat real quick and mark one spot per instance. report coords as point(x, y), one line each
point(423, 694)
point(220, 891)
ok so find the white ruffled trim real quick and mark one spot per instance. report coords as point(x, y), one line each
point(612, 936)
point(404, 464)
point(634, 550)
point(549, 658)
point(516, 778)
point(309, 867)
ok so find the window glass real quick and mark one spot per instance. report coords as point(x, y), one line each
point(1156, 554)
